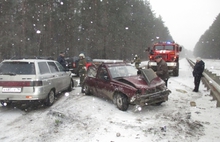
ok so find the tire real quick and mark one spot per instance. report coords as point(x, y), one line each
point(158, 104)
point(176, 70)
point(70, 88)
point(122, 102)
point(86, 89)
point(50, 98)
point(2, 102)
point(7, 103)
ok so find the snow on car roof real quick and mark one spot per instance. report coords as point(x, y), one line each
point(25, 60)
point(107, 61)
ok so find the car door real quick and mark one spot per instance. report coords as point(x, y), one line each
point(104, 87)
point(57, 76)
point(46, 76)
point(65, 75)
point(91, 79)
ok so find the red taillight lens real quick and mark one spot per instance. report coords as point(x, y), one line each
point(20, 83)
point(36, 83)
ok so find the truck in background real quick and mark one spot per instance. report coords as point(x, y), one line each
point(169, 52)
point(72, 63)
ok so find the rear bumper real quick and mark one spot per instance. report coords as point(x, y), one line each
point(170, 65)
point(29, 94)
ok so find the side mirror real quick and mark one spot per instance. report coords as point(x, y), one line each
point(148, 49)
point(151, 52)
point(180, 48)
point(106, 77)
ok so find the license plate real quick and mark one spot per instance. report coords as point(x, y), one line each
point(11, 90)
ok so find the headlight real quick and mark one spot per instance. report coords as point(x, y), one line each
point(133, 99)
point(171, 63)
point(152, 63)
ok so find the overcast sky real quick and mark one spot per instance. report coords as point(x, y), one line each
point(186, 20)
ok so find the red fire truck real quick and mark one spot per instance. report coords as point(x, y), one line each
point(169, 52)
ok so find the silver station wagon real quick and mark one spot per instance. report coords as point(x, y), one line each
point(32, 79)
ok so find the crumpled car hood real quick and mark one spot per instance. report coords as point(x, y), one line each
point(139, 82)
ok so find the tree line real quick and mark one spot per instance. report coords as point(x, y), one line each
point(110, 29)
point(208, 45)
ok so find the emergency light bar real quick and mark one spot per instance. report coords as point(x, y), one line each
point(166, 42)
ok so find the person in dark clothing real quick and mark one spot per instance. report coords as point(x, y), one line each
point(162, 69)
point(61, 59)
point(197, 73)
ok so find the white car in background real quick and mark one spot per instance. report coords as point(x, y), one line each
point(32, 79)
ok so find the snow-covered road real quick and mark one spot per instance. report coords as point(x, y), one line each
point(186, 116)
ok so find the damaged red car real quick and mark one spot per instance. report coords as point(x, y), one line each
point(124, 84)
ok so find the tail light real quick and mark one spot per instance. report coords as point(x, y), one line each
point(36, 83)
point(20, 83)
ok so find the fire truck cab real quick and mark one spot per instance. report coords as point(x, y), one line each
point(170, 54)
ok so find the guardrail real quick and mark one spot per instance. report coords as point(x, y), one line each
point(211, 81)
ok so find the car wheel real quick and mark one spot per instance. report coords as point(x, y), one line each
point(122, 102)
point(50, 98)
point(176, 70)
point(6, 103)
point(86, 90)
point(158, 104)
point(70, 88)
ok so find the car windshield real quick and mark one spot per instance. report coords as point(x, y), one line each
point(158, 47)
point(167, 47)
point(14, 68)
point(170, 47)
point(122, 71)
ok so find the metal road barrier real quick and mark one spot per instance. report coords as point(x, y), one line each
point(211, 81)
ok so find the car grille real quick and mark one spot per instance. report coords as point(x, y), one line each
point(164, 57)
point(156, 94)
point(156, 89)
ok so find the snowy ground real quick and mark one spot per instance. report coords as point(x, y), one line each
point(186, 116)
